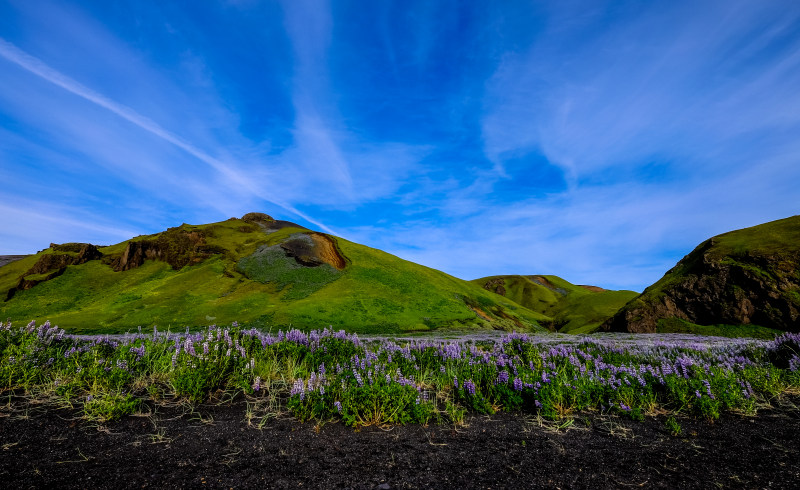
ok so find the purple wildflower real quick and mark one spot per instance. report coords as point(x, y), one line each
point(502, 377)
point(469, 386)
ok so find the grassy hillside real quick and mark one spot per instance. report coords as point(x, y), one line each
point(572, 308)
point(242, 271)
point(745, 280)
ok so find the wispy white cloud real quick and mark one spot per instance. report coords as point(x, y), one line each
point(329, 163)
point(665, 136)
point(595, 141)
point(30, 222)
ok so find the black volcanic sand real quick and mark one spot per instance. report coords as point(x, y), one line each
point(216, 448)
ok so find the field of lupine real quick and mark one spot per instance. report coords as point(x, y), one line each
point(326, 375)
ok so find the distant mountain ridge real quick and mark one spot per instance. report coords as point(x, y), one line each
point(255, 270)
point(7, 259)
point(748, 277)
point(572, 308)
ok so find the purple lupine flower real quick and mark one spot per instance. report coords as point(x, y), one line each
point(708, 389)
point(517, 384)
point(455, 381)
point(298, 389)
point(205, 348)
point(188, 346)
point(469, 386)
point(338, 406)
point(502, 377)
point(257, 384)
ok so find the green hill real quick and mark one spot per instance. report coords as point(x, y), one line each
point(572, 308)
point(255, 270)
point(744, 282)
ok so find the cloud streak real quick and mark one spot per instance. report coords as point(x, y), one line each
point(236, 179)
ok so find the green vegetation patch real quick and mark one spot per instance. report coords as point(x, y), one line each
point(270, 264)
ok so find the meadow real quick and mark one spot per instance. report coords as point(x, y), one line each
point(325, 376)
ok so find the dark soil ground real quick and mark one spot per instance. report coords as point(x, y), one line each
point(216, 447)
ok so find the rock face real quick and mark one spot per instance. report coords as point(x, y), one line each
point(745, 277)
point(176, 246)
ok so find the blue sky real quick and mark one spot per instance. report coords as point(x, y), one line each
point(598, 141)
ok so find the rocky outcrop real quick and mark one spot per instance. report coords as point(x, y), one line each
point(64, 255)
point(136, 252)
point(267, 223)
point(496, 285)
point(730, 279)
point(54, 263)
point(314, 249)
point(177, 247)
point(257, 218)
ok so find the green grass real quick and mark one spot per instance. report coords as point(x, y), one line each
point(37, 277)
point(775, 237)
point(10, 273)
point(379, 292)
point(677, 325)
point(376, 293)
